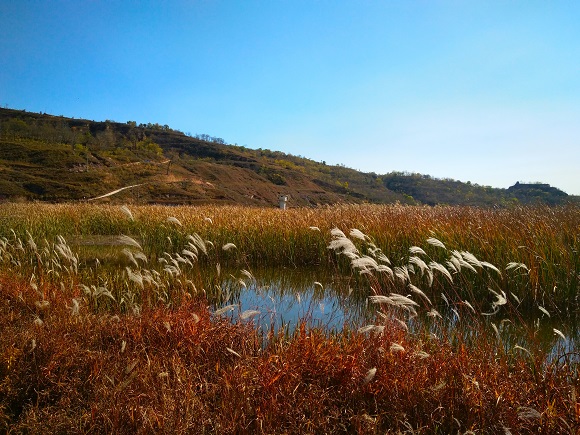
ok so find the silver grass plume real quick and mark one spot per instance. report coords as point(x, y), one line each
point(248, 314)
point(500, 299)
point(130, 256)
point(31, 242)
point(42, 305)
point(436, 242)
point(228, 246)
point(516, 266)
point(191, 255)
point(433, 313)
point(393, 299)
point(140, 256)
point(522, 348)
point(471, 259)
point(415, 250)
point(459, 262)
point(224, 310)
point(191, 247)
point(433, 265)
point(496, 331)
point(233, 352)
point(126, 210)
point(381, 257)
point(385, 269)
point(402, 324)
point(421, 354)
point(402, 274)
point(75, 308)
point(198, 242)
point(454, 264)
point(364, 263)
point(418, 291)
point(466, 303)
point(136, 277)
point(560, 333)
point(543, 310)
point(417, 261)
point(358, 234)
point(396, 347)
point(342, 244)
point(174, 220)
point(129, 241)
point(370, 375)
point(337, 233)
point(247, 274)
point(371, 328)
point(490, 266)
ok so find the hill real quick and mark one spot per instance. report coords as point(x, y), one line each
point(53, 158)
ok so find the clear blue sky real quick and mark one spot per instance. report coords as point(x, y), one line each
point(480, 91)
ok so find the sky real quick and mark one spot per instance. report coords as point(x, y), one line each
point(480, 91)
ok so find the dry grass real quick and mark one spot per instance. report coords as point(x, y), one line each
point(544, 239)
point(180, 371)
point(133, 348)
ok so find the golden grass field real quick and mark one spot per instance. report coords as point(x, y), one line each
point(110, 320)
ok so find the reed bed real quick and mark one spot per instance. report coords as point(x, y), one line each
point(137, 339)
point(181, 370)
point(546, 240)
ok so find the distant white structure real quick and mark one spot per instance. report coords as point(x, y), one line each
point(283, 200)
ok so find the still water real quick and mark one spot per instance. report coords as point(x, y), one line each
point(282, 298)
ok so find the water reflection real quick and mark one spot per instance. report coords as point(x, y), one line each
point(286, 297)
point(289, 296)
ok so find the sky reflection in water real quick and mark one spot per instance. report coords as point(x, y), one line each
point(286, 297)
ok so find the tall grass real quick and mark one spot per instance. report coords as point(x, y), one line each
point(132, 341)
point(181, 370)
point(546, 240)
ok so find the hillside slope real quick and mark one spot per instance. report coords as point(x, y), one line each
point(52, 158)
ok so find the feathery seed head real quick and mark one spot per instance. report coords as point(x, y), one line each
point(370, 376)
point(174, 220)
point(436, 242)
point(228, 246)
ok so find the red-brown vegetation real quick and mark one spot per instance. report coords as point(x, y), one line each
point(180, 370)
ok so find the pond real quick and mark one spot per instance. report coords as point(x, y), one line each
point(277, 299)
point(282, 298)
